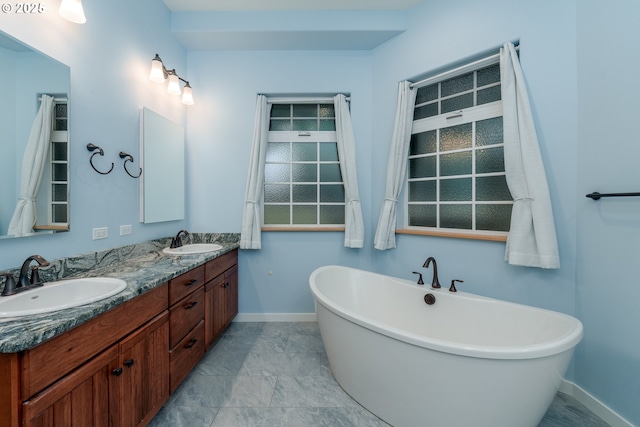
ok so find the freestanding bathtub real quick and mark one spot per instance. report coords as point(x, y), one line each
point(464, 361)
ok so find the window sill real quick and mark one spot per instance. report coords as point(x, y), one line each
point(51, 227)
point(494, 237)
point(302, 228)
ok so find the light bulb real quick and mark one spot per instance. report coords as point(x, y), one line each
point(174, 84)
point(72, 10)
point(187, 95)
point(157, 71)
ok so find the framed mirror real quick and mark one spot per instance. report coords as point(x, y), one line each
point(162, 158)
point(34, 188)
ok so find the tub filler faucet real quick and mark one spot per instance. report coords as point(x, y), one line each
point(434, 282)
point(176, 242)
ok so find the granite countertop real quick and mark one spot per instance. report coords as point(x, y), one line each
point(143, 266)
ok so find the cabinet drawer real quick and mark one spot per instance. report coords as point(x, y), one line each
point(185, 356)
point(186, 283)
point(219, 265)
point(185, 315)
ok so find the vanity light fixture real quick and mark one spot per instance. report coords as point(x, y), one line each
point(72, 10)
point(159, 74)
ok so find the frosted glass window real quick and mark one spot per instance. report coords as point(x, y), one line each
point(455, 171)
point(59, 192)
point(302, 182)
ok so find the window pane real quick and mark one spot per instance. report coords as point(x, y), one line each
point(456, 163)
point(489, 75)
point(59, 151)
point(488, 95)
point(59, 192)
point(305, 110)
point(332, 193)
point(305, 193)
point(490, 160)
point(277, 193)
point(422, 215)
point(489, 132)
point(59, 213)
point(455, 137)
point(276, 173)
point(59, 172)
point(326, 110)
point(308, 125)
point(427, 93)
point(281, 110)
point(276, 214)
point(330, 173)
point(280, 125)
point(422, 167)
point(493, 217)
point(61, 110)
point(455, 190)
point(456, 103)
point(455, 216)
point(457, 84)
point(328, 152)
point(428, 110)
point(303, 214)
point(304, 173)
point(61, 124)
point(332, 214)
point(423, 143)
point(422, 191)
point(305, 152)
point(492, 188)
point(278, 152)
point(327, 124)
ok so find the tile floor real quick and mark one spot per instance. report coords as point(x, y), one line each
point(277, 374)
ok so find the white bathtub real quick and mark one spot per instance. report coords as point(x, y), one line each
point(464, 361)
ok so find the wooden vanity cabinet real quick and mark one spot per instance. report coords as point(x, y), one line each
point(221, 295)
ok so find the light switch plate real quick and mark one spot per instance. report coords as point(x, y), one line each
point(100, 233)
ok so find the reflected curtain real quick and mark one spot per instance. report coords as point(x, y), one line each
point(397, 166)
point(532, 236)
point(250, 237)
point(354, 225)
point(33, 164)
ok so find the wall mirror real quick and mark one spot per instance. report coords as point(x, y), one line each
point(162, 158)
point(26, 76)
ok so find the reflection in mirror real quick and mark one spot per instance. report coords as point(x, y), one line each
point(34, 181)
point(162, 159)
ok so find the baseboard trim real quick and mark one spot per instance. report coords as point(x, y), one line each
point(276, 317)
point(607, 414)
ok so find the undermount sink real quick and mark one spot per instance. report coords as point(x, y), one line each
point(192, 249)
point(58, 295)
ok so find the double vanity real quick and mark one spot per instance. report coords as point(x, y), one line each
point(116, 361)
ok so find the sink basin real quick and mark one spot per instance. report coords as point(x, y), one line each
point(55, 296)
point(195, 248)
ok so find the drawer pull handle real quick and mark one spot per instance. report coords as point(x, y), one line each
point(191, 343)
point(191, 282)
point(190, 305)
point(128, 363)
point(117, 372)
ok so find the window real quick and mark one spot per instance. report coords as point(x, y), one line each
point(456, 176)
point(302, 180)
point(59, 192)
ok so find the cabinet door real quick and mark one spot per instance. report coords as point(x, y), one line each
point(144, 383)
point(85, 397)
point(215, 307)
point(231, 297)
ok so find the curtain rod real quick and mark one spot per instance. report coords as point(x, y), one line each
point(302, 100)
point(486, 61)
point(55, 99)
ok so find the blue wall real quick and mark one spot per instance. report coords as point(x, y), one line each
point(110, 58)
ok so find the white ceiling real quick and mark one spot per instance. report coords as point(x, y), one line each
point(255, 5)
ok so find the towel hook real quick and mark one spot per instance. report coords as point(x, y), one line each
point(97, 150)
point(129, 158)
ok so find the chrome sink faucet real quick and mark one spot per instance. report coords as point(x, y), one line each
point(434, 283)
point(176, 242)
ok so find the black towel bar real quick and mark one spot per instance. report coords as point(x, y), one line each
point(596, 196)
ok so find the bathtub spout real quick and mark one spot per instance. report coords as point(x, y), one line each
point(434, 282)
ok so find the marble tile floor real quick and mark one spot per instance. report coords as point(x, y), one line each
point(277, 374)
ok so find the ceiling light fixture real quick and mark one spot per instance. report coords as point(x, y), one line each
point(72, 10)
point(159, 74)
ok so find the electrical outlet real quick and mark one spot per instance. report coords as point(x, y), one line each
point(126, 230)
point(100, 233)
